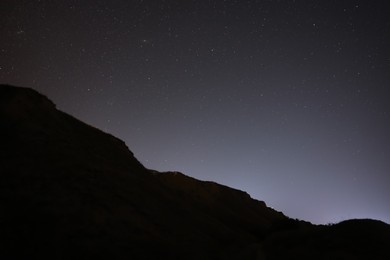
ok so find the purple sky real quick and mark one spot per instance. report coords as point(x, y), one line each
point(287, 100)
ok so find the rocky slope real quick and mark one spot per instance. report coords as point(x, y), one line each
point(71, 191)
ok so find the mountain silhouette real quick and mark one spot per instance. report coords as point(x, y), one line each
point(71, 191)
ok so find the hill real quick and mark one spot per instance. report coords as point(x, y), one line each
point(71, 191)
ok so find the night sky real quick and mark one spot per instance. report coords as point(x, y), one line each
point(287, 100)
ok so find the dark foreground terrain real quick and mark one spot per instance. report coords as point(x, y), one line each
point(71, 191)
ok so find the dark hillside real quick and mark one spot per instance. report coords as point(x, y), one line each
point(68, 190)
point(71, 191)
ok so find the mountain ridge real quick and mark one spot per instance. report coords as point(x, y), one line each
point(69, 190)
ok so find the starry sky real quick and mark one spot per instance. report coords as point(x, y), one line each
point(286, 100)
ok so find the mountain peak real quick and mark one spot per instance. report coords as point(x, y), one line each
point(32, 122)
point(19, 101)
